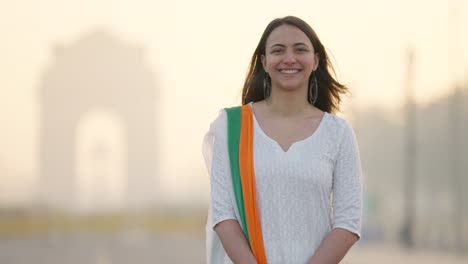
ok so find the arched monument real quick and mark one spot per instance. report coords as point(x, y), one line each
point(99, 73)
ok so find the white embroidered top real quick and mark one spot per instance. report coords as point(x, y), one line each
point(302, 193)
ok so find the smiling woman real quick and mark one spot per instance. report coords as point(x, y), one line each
point(286, 43)
point(289, 60)
point(285, 171)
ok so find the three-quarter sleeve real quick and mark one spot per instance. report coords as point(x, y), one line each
point(215, 152)
point(347, 185)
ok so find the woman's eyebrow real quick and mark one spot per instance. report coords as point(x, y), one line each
point(300, 44)
point(282, 45)
point(277, 45)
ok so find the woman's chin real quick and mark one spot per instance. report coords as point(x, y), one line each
point(290, 87)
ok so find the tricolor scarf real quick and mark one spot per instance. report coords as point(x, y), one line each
point(240, 147)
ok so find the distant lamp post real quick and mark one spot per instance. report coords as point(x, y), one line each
point(407, 230)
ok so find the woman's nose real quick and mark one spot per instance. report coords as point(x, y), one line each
point(290, 57)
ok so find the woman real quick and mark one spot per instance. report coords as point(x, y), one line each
point(306, 160)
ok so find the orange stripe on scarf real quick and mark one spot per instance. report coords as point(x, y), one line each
point(247, 173)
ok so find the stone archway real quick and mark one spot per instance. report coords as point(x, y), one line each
point(98, 71)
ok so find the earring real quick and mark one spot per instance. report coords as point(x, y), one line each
point(266, 86)
point(313, 89)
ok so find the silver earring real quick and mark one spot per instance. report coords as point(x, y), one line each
point(313, 89)
point(266, 86)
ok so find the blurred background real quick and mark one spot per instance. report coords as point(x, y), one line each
point(104, 105)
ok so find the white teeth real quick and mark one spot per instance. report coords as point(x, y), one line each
point(289, 71)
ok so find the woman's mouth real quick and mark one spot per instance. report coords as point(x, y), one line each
point(289, 71)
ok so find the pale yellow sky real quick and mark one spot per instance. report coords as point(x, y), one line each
point(199, 52)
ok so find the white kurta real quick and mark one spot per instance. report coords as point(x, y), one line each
point(302, 193)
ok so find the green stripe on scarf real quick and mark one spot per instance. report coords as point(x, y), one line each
point(233, 132)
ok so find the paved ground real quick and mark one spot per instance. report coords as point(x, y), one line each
point(83, 249)
point(136, 247)
point(391, 254)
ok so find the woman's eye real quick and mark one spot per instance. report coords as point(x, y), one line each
point(276, 51)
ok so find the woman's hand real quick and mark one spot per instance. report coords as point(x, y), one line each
point(234, 242)
point(334, 247)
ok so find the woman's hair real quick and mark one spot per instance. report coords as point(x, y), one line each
point(329, 90)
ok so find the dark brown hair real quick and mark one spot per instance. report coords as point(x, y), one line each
point(329, 90)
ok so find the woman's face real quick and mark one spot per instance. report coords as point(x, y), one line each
point(289, 58)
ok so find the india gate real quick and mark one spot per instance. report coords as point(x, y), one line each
point(98, 127)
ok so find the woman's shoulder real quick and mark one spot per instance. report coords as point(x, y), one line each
point(218, 126)
point(217, 132)
point(337, 121)
point(339, 125)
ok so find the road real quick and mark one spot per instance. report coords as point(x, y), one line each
point(138, 247)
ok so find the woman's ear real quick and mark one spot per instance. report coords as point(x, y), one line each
point(317, 61)
point(263, 59)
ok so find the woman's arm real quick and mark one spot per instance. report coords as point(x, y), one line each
point(334, 247)
point(234, 242)
point(347, 203)
point(222, 213)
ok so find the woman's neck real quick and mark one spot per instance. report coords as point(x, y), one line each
point(287, 103)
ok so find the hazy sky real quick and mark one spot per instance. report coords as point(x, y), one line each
point(199, 52)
